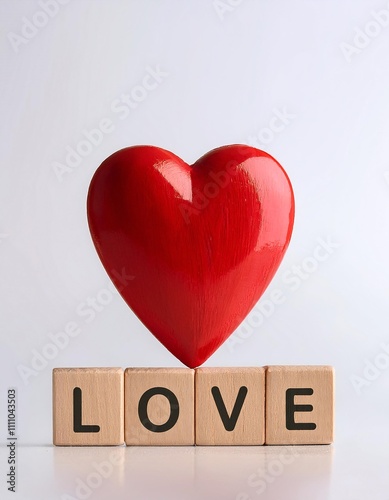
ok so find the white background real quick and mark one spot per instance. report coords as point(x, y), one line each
point(229, 69)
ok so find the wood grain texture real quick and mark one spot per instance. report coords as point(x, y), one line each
point(159, 406)
point(316, 387)
point(102, 405)
point(244, 427)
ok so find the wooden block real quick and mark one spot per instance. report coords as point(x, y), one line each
point(230, 406)
point(299, 405)
point(88, 406)
point(159, 406)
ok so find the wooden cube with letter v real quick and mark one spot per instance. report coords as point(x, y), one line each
point(88, 406)
point(230, 406)
point(299, 405)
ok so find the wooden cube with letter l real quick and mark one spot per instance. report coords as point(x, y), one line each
point(88, 406)
point(299, 405)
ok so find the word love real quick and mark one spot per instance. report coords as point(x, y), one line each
point(275, 405)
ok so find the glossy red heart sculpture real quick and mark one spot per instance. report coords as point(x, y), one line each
point(201, 242)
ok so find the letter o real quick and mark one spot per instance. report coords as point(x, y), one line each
point(256, 319)
point(383, 356)
point(135, 93)
point(174, 409)
point(84, 148)
point(286, 460)
point(248, 333)
point(43, 16)
point(104, 293)
point(46, 349)
point(211, 189)
point(94, 484)
point(263, 485)
point(265, 135)
point(310, 264)
point(278, 471)
point(376, 26)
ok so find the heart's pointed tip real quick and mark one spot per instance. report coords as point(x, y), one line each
point(192, 366)
point(192, 362)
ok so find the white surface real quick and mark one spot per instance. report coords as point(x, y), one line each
point(225, 80)
point(352, 469)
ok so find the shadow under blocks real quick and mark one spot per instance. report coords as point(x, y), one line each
point(273, 405)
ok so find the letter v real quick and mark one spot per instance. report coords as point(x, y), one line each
point(229, 422)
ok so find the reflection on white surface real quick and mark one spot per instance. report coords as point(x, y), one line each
point(151, 473)
point(270, 472)
point(352, 469)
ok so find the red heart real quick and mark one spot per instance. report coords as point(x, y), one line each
point(202, 242)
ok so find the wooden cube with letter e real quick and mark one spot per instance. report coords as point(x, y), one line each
point(299, 405)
